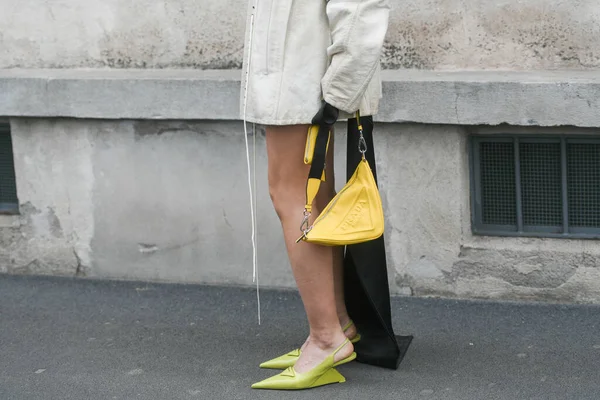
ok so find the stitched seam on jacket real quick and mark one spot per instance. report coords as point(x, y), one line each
point(345, 42)
point(268, 38)
point(285, 41)
point(369, 76)
point(345, 46)
point(366, 82)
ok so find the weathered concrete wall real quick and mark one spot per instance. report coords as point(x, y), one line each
point(131, 200)
point(168, 201)
point(431, 247)
point(432, 34)
point(488, 34)
point(121, 34)
point(54, 184)
point(525, 98)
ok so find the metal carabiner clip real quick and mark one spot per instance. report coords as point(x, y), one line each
point(362, 145)
point(304, 227)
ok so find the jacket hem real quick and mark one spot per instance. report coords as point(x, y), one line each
point(279, 122)
point(303, 120)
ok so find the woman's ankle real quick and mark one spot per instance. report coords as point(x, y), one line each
point(319, 348)
point(344, 320)
point(327, 339)
point(348, 327)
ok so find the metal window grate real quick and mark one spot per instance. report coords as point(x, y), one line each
point(544, 186)
point(498, 183)
point(541, 184)
point(8, 189)
point(584, 184)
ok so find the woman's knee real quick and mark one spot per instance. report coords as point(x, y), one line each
point(287, 171)
point(277, 199)
point(284, 196)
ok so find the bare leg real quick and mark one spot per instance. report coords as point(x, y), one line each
point(338, 252)
point(312, 265)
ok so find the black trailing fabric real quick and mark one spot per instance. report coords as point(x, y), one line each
point(365, 278)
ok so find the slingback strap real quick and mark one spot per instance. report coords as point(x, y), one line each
point(348, 325)
point(345, 342)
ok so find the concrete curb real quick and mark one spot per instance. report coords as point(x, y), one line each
point(542, 98)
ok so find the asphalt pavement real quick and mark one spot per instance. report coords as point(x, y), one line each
point(63, 338)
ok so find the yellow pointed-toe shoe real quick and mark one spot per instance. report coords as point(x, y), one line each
point(289, 359)
point(322, 374)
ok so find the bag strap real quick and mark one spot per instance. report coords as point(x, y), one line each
point(318, 167)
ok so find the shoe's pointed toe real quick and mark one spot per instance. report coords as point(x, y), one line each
point(291, 380)
point(268, 383)
point(287, 379)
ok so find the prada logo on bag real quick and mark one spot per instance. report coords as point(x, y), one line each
point(355, 215)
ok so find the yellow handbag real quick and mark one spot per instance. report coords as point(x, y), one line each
point(355, 214)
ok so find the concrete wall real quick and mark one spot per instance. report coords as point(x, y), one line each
point(431, 34)
point(121, 174)
point(138, 200)
point(168, 201)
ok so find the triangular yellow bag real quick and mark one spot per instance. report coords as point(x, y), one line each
point(354, 215)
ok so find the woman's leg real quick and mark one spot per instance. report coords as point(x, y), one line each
point(338, 251)
point(312, 265)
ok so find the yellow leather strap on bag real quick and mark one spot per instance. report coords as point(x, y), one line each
point(317, 166)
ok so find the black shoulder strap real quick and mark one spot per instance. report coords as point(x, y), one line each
point(325, 118)
point(320, 155)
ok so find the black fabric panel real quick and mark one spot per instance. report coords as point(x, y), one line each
point(366, 281)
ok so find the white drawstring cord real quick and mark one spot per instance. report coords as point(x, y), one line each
point(255, 252)
point(252, 192)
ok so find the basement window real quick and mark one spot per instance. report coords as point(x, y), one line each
point(541, 186)
point(9, 204)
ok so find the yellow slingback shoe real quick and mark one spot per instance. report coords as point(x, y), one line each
point(322, 374)
point(289, 359)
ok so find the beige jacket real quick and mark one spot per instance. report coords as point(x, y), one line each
point(299, 52)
